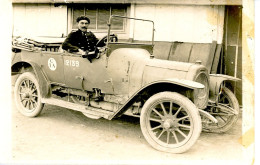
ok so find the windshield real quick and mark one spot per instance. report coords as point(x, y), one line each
point(137, 26)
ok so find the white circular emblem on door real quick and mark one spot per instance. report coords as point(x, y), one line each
point(52, 64)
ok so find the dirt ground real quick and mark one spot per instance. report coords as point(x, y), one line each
point(67, 136)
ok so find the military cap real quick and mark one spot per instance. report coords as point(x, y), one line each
point(83, 18)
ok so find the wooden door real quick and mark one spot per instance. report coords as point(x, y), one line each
point(233, 47)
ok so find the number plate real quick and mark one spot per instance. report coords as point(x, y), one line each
point(72, 63)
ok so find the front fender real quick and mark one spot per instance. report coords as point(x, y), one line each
point(184, 83)
point(215, 81)
point(178, 83)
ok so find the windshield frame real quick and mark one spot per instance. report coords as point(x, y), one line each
point(124, 17)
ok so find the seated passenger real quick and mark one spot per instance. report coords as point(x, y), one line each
point(82, 40)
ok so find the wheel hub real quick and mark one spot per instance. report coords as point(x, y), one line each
point(26, 95)
point(170, 124)
point(167, 124)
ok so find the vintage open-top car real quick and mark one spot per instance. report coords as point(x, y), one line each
point(174, 100)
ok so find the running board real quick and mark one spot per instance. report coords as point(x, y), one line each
point(81, 108)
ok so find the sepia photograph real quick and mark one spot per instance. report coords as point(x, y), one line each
point(129, 82)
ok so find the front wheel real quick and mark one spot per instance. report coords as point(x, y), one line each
point(226, 112)
point(27, 95)
point(170, 122)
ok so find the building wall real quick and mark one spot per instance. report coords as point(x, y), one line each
point(183, 23)
point(39, 20)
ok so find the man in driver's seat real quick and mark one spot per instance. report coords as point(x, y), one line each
point(81, 41)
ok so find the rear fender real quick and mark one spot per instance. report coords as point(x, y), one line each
point(215, 82)
point(42, 79)
point(20, 67)
point(158, 86)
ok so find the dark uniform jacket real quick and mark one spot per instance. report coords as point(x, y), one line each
point(79, 40)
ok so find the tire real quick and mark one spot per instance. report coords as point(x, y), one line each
point(225, 123)
point(174, 131)
point(27, 95)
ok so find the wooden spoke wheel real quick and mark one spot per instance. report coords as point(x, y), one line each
point(170, 122)
point(226, 112)
point(27, 95)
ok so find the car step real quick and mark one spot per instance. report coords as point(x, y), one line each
point(81, 108)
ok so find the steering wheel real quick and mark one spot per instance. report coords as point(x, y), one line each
point(102, 41)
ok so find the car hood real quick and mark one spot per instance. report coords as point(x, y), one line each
point(156, 69)
point(140, 69)
point(165, 64)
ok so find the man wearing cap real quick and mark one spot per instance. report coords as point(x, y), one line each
point(81, 41)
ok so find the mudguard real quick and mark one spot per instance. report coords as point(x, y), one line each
point(215, 82)
point(179, 82)
point(184, 83)
point(42, 79)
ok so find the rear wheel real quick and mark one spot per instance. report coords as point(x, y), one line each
point(27, 95)
point(170, 122)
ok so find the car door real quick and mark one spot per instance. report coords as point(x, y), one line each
point(80, 73)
